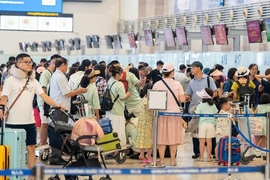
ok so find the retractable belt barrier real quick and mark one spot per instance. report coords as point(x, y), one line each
point(137, 171)
point(210, 115)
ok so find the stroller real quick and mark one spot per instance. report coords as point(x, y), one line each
point(60, 138)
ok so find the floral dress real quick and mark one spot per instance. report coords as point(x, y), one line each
point(145, 127)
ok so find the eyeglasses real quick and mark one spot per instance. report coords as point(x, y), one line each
point(27, 62)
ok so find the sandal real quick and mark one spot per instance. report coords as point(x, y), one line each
point(209, 160)
point(200, 159)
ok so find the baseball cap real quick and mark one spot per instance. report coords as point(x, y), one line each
point(197, 64)
point(168, 67)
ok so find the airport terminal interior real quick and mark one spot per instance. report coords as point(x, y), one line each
point(147, 36)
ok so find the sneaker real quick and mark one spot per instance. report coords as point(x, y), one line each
point(195, 156)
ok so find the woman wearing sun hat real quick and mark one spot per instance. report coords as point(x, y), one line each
point(170, 129)
point(242, 73)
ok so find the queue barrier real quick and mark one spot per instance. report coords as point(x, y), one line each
point(136, 171)
point(210, 115)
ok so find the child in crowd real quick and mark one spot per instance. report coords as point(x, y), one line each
point(222, 128)
point(262, 108)
point(206, 124)
point(145, 128)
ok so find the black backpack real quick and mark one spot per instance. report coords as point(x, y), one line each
point(243, 90)
point(107, 103)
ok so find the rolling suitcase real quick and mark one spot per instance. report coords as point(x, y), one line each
point(223, 150)
point(15, 139)
point(109, 142)
point(5, 154)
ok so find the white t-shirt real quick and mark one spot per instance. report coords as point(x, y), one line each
point(22, 110)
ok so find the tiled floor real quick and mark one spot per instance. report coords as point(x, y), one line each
point(183, 160)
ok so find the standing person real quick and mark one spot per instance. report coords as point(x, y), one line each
point(75, 79)
point(61, 93)
point(181, 74)
point(11, 61)
point(44, 82)
point(145, 128)
point(222, 127)
point(170, 129)
point(206, 124)
point(117, 92)
point(253, 68)
point(242, 74)
point(133, 103)
point(231, 77)
point(89, 81)
point(262, 108)
point(22, 81)
point(155, 74)
point(199, 82)
point(222, 77)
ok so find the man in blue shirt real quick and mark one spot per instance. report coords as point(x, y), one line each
point(199, 82)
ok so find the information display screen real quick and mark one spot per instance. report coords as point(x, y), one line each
point(221, 34)
point(131, 40)
point(169, 37)
point(207, 38)
point(31, 5)
point(9, 22)
point(267, 28)
point(181, 36)
point(254, 31)
point(148, 37)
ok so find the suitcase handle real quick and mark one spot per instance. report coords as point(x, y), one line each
point(2, 108)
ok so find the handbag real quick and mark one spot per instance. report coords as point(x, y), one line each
point(7, 112)
point(177, 102)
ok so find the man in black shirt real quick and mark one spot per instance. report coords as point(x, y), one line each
point(155, 74)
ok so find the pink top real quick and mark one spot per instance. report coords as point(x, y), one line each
point(176, 87)
point(86, 126)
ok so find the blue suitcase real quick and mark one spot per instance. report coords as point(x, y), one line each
point(106, 125)
point(16, 140)
point(223, 150)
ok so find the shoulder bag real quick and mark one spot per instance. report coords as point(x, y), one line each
point(177, 102)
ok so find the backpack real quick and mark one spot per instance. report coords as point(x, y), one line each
point(73, 107)
point(107, 103)
point(243, 90)
point(124, 80)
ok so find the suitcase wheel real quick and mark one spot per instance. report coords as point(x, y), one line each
point(105, 178)
point(115, 134)
point(121, 157)
point(44, 156)
point(238, 164)
point(54, 178)
point(219, 162)
point(118, 146)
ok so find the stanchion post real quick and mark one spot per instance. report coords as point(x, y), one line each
point(154, 164)
point(38, 172)
point(267, 171)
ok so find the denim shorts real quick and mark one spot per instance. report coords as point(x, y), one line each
point(31, 133)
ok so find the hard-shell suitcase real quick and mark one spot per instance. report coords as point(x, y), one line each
point(5, 154)
point(16, 140)
point(223, 150)
point(106, 125)
point(109, 142)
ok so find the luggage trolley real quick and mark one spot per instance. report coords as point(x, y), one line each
point(247, 152)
